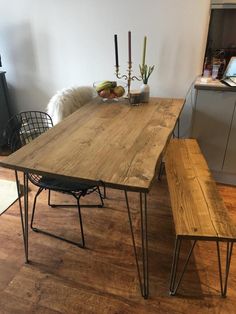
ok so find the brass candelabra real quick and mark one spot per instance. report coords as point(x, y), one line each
point(127, 77)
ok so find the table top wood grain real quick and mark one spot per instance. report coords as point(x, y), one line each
point(112, 143)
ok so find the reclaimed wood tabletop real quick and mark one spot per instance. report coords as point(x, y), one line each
point(112, 143)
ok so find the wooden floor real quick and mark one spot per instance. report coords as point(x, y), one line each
point(102, 278)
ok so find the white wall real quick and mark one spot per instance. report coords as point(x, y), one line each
point(50, 44)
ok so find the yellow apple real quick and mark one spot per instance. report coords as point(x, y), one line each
point(119, 91)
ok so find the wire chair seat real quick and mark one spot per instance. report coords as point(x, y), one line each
point(60, 185)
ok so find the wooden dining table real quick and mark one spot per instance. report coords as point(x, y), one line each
point(112, 144)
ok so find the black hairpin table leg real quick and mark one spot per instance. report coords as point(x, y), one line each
point(23, 210)
point(143, 269)
point(25, 217)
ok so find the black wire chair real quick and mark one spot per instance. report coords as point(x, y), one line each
point(23, 128)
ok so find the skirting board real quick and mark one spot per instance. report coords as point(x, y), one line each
point(225, 178)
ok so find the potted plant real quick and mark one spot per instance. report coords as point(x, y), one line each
point(145, 72)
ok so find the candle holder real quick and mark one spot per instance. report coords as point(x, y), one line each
point(127, 77)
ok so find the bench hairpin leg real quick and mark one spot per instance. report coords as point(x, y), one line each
point(227, 266)
point(173, 285)
point(229, 250)
point(143, 280)
point(175, 264)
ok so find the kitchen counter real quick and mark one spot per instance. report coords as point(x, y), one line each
point(209, 84)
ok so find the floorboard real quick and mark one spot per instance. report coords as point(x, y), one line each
point(102, 278)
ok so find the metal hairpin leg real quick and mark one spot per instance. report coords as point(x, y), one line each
point(104, 192)
point(142, 275)
point(173, 285)
point(20, 205)
point(161, 170)
point(223, 287)
point(24, 215)
point(178, 129)
point(104, 196)
point(26, 210)
point(162, 165)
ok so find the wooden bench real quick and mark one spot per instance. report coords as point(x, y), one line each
point(198, 210)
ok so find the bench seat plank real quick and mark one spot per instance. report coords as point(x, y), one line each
point(198, 209)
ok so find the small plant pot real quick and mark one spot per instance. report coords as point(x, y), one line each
point(145, 92)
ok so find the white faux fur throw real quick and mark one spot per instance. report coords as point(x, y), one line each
point(68, 100)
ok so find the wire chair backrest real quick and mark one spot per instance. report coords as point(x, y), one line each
point(26, 126)
point(23, 128)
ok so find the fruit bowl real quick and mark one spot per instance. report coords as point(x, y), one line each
point(112, 90)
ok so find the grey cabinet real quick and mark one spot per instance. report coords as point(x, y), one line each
point(4, 106)
point(214, 126)
point(229, 165)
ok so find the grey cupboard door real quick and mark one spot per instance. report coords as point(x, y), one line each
point(230, 156)
point(211, 124)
